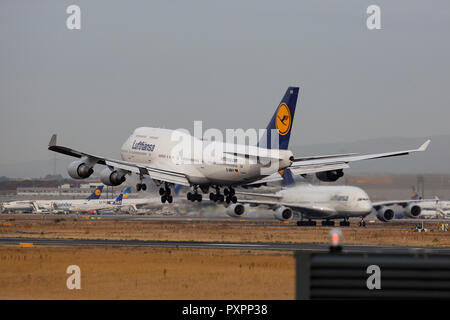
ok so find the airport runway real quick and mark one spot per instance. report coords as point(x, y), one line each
point(304, 247)
point(250, 221)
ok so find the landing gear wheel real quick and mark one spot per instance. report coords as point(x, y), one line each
point(138, 187)
point(362, 223)
point(189, 196)
point(327, 223)
point(161, 191)
point(143, 187)
point(212, 197)
point(169, 199)
point(233, 199)
point(309, 223)
point(163, 199)
point(344, 223)
point(226, 192)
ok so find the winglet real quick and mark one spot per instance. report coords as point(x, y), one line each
point(424, 146)
point(52, 142)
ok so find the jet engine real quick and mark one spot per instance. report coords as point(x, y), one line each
point(235, 210)
point(79, 170)
point(112, 177)
point(385, 214)
point(283, 213)
point(330, 176)
point(412, 210)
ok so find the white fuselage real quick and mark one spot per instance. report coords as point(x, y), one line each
point(83, 205)
point(23, 205)
point(434, 209)
point(335, 201)
point(202, 162)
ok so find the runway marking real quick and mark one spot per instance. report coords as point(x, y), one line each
point(305, 247)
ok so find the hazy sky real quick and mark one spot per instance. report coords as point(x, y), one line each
point(228, 63)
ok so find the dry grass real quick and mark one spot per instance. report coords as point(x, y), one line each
point(215, 231)
point(145, 273)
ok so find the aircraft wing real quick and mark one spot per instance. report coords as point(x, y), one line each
point(308, 165)
point(131, 167)
point(299, 170)
point(263, 195)
point(402, 203)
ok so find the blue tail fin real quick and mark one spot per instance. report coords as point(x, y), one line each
point(281, 121)
point(126, 192)
point(288, 178)
point(96, 193)
point(123, 195)
point(177, 189)
point(118, 201)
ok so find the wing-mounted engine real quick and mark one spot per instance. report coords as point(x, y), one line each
point(330, 176)
point(412, 210)
point(112, 177)
point(283, 213)
point(80, 170)
point(385, 214)
point(235, 210)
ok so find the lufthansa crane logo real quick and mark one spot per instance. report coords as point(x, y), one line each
point(283, 121)
point(97, 192)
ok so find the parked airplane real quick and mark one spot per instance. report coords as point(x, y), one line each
point(93, 206)
point(135, 205)
point(435, 209)
point(321, 202)
point(39, 206)
point(432, 208)
point(150, 152)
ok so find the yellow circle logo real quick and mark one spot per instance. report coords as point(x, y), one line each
point(97, 192)
point(283, 121)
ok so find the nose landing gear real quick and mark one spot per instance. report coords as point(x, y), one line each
point(141, 186)
point(362, 223)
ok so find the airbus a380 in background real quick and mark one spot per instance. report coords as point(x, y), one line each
point(326, 203)
point(150, 152)
point(40, 206)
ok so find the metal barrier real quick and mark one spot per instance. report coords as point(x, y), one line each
point(341, 275)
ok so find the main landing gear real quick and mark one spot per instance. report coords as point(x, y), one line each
point(304, 223)
point(228, 196)
point(327, 223)
point(345, 223)
point(165, 194)
point(194, 196)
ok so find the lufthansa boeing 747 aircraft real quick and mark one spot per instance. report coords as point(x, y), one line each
point(150, 152)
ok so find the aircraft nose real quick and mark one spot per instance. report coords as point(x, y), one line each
point(367, 206)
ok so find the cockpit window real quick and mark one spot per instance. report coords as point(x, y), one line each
point(363, 199)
